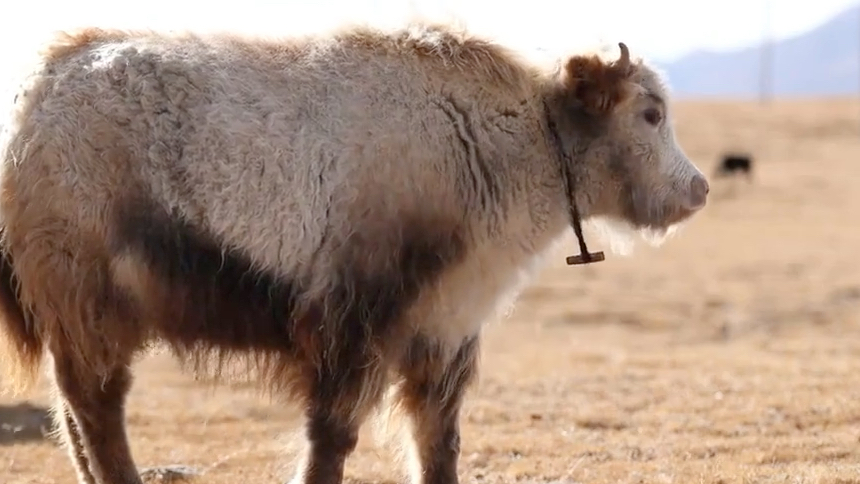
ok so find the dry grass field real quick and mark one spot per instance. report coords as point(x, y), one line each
point(729, 355)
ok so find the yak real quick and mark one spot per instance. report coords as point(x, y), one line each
point(340, 211)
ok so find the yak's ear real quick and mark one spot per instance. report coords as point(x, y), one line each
point(596, 85)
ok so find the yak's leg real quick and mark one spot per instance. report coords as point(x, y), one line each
point(94, 416)
point(432, 393)
point(339, 403)
point(68, 430)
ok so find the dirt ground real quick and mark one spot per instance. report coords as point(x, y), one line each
point(729, 355)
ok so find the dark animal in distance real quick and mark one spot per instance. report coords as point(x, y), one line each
point(732, 164)
point(340, 212)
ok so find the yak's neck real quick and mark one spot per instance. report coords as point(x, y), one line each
point(565, 160)
point(537, 207)
point(538, 210)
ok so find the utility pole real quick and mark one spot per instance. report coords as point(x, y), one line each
point(766, 62)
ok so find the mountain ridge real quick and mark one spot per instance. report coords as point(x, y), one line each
point(824, 61)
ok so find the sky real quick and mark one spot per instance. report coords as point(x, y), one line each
point(656, 29)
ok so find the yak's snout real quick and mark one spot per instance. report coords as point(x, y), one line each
point(697, 196)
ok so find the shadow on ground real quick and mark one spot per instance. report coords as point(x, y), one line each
point(24, 423)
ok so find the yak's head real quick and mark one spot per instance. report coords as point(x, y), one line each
point(615, 129)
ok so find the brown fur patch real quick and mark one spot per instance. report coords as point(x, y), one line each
point(597, 85)
point(205, 299)
point(21, 348)
point(65, 284)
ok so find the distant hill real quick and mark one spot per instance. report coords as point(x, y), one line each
point(823, 61)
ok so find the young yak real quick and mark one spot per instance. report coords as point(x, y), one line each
point(341, 212)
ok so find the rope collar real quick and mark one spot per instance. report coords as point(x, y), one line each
point(584, 257)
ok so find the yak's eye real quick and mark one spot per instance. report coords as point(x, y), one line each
point(653, 116)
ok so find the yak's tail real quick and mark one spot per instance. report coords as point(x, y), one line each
point(21, 346)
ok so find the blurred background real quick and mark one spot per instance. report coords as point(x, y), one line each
point(731, 354)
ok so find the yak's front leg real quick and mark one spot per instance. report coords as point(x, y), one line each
point(432, 394)
point(340, 401)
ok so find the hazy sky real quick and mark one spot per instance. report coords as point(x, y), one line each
point(658, 29)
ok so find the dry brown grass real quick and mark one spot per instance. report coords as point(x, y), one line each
point(730, 355)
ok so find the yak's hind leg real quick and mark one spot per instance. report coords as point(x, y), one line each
point(67, 427)
point(93, 420)
point(434, 383)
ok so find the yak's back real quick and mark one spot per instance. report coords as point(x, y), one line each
point(443, 50)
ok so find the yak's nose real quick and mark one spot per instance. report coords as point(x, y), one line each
point(699, 189)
